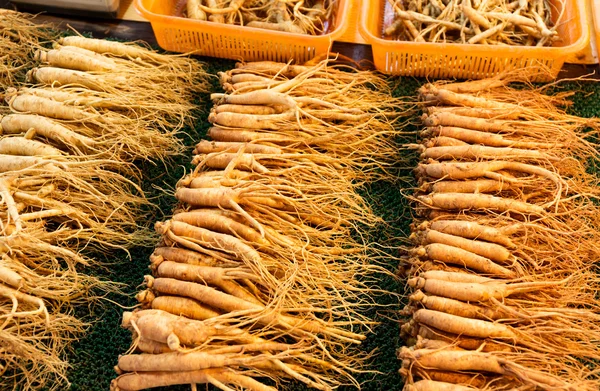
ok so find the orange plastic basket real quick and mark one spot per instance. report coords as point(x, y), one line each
point(179, 34)
point(587, 55)
point(351, 33)
point(464, 61)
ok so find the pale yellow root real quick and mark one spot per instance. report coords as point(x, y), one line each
point(31, 104)
point(286, 26)
point(443, 141)
point(248, 109)
point(451, 120)
point(457, 256)
point(152, 347)
point(223, 278)
point(270, 68)
point(470, 230)
point(45, 127)
point(477, 152)
point(452, 360)
point(260, 97)
point(216, 376)
point(118, 49)
point(68, 59)
point(11, 278)
point(464, 326)
point(217, 198)
point(206, 147)
point(67, 77)
point(17, 297)
point(462, 342)
point(16, 163)
point(477, 381)
point(251, 121)
point(455, 307)
point(21, 146)
point(110, 62)
point(492, 251)
point(471, 291)
point(431, 385)
point(221, 160)
point(181, 255)
point(472, 112)
point(489, 139)
point(167, 328)
point(473, 186)
point(222, 242)
point(217, 299)
point(182, 362)
point(470, 86)
point(484, 169)
point(218, 221)
point(456, 99)
point(182, 306)
point(462, 276)
point(462, 201)
point(194, 11)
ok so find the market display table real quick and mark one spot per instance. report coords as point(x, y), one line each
point(132, 31)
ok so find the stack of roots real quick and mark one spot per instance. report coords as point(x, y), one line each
point(503, 22)
point(502, 269)
point(111, 100)
point(67, 184)
point(259, 279)
point(299, 17)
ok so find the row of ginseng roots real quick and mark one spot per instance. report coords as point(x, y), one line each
point(260, 278)
point(502, 269)
point(68, 186)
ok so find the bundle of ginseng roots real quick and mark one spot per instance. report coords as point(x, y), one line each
point(502, 22)
point(258, 279)
point(504, 286)
point(298, 16)
point(68, 186)
point(19, 36)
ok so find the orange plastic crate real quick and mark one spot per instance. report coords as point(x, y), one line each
point(464, 61)
point(351, 33)
point(179, 34)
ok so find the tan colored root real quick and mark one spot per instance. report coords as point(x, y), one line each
point(434, 385)
point(217, 376)
point(182, 306)
point(457, 256)
point(219, 277)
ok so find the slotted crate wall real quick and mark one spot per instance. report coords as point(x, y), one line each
point(461, 67)
point(215, 45)
point(183, 35)
point(443, 60)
